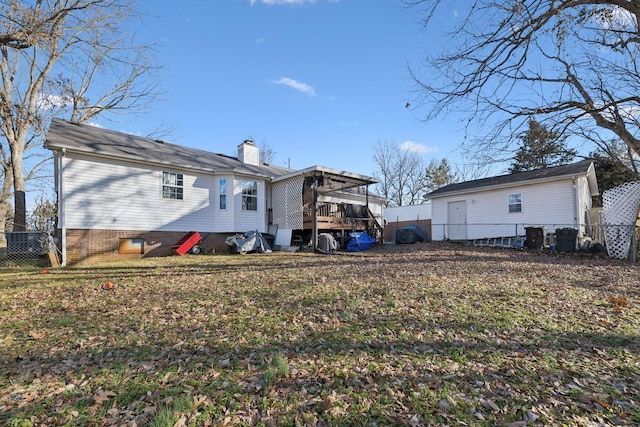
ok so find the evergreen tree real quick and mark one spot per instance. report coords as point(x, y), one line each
point(540, 148)
point(613, 166)
point(438, 175)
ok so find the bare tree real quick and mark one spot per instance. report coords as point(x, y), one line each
point(383, 154)
point(570, 64)
point(412, 167)
point(44, 214)
point(471, 171)
point(64, 57)
point(400, 174)
point(5, 194)
point(267, 154)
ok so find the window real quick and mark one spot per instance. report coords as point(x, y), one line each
point(172, 185)
point(223, 193)
point(249, 196)
point(515, 203)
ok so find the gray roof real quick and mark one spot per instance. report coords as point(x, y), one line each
point(100, 142)
point(583, 168)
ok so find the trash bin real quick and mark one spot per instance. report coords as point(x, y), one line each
point(566, 239)
point(536, 237)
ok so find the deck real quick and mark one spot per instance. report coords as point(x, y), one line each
point(334, 223)
point(334, 217)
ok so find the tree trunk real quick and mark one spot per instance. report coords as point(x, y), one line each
point(20, 212)
point(20, 207)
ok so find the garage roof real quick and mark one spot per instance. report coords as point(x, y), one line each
point(583, 168)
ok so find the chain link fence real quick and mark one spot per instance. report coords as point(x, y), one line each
point(29, 249)
point(619, 241)
point(39, 248)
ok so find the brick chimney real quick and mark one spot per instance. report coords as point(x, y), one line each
point(248, 153)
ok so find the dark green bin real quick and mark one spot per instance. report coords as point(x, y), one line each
point(566, 239)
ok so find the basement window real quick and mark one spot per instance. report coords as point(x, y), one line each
point(131, 246)
point(172, 185)
point(515, 203)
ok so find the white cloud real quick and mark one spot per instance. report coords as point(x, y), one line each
point(415, 147)
point(299, 86)
point(617, 18)
point(49, 102)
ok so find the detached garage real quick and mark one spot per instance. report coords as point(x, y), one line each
point(551, 198)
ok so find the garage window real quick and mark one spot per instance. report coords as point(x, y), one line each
point(515, 203)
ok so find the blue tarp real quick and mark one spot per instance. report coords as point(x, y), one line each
point(359, 242)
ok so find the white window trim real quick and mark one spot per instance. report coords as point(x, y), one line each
point(222, 193)
point(518, 203)
point(179, 185)
point(251, 196)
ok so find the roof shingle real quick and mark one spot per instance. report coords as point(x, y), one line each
point(579, 168)
point(81, 138)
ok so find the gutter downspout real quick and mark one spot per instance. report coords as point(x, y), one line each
point(61, 213)
point(576, 195)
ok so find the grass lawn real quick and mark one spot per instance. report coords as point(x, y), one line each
point(425, 334)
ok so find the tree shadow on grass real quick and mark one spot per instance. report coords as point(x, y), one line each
point(452, 354)
point(324, 335)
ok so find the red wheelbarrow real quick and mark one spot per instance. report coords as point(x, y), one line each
point(189, 243)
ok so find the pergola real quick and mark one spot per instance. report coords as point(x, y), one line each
point(325, 181)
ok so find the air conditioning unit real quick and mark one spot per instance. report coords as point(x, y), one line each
point(25, 242)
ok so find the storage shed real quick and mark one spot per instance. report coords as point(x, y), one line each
point(553, 198)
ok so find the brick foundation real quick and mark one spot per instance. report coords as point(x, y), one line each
point(92, 246)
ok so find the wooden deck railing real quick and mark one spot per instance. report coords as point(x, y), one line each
point(332, 216)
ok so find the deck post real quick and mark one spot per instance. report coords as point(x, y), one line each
point(366, 195)
point(314, 230)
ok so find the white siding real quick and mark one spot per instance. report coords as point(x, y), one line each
point(248, 220)
point(120, 196)
point(584, 203)
point(408, 213)
point(224, 218)
point(439, 216)
point(548, 204)
point(234, 219)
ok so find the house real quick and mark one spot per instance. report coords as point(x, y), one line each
point(123, 195)
point(552, 198)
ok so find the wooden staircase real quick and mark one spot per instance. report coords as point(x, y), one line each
point(374, 228)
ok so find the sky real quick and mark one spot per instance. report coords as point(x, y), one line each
point(320, 82)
